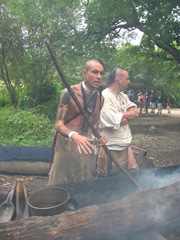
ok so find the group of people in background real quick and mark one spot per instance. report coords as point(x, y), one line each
point(149, 101)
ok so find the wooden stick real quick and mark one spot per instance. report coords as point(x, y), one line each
point(26, 209)
point(143, 150)
point(19, 212)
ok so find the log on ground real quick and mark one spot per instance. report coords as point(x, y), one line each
point(151, 209)
point(24, 167)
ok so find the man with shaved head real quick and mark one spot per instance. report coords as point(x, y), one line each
point(74, 158)
point(116, 113)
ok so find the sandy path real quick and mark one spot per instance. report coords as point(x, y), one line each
point(174, 112)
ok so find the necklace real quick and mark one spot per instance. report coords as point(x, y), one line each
point(89, 100)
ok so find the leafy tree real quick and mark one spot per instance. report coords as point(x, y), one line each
point(78, 30)
point(148, 72)
point(10, 49)
point(35, 63)
point(25, 62)
point(158, 20)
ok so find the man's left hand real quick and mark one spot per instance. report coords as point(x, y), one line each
point(102, 140)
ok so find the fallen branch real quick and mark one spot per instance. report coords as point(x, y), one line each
point(140, 149)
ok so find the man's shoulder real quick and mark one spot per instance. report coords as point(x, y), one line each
point(105, 92)
point(76, 86)
point(123, 94)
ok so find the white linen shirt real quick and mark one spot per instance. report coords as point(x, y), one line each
point(119, 137)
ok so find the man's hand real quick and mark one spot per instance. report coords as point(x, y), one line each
point(102, 140)
point(131, 113)
point(83, 143)
point(124, 121)
point(128, 115)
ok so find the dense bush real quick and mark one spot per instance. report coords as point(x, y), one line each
point(25, 128)
point(4, 96)
point(48, 92)
point(48, 109)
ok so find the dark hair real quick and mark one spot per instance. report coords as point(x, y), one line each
point(93, 60)
point(103, 86)
point(116, 72)
point(111, 77)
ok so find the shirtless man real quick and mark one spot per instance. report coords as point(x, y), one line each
point(74, 158)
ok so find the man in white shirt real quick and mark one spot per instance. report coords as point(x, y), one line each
point(117, 111)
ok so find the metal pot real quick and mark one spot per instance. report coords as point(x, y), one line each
point(48, 201)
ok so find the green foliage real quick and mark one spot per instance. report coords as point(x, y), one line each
point(4, 97)
point(48, 109)
point(79, 30)
point(25, 128)
point(111, 20)
point(149, 71)
point(48, 92)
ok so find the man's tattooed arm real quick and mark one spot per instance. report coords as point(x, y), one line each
point(62, 113)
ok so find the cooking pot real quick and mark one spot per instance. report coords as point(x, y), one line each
point(48, 201)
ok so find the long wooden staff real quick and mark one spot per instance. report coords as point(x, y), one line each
point(94, 131)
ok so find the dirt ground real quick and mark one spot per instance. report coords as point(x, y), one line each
point(159, 135)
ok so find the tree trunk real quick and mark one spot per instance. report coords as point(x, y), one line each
point(141, 212)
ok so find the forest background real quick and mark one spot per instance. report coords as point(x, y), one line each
point(78, 30)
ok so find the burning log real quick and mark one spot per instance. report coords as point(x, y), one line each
point(144, 211)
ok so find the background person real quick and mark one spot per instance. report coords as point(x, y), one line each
point(74, 158)
point(117, 111)
point(146, 100)
point(139, 97)
point(168, 105)
point(131, 95)
point(159, 102)
point(153, 100)
point(142, 103)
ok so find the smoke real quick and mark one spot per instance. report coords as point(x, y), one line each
point(158, 178)
point(160, 211)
